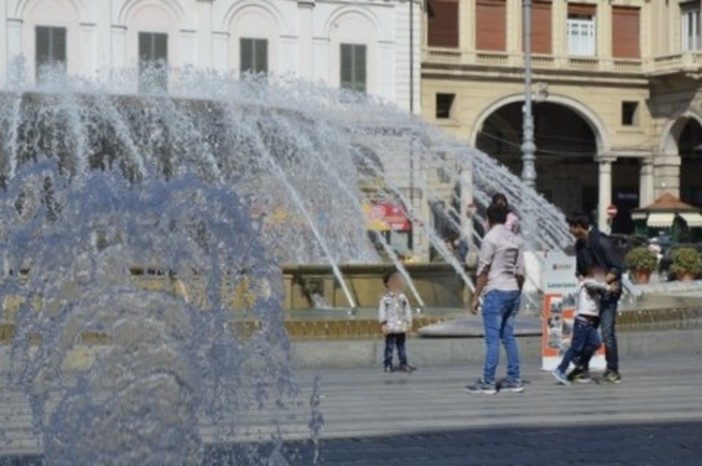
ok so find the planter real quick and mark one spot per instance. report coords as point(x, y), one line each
point(687, 264)
point(642, 277)
point(641, 262)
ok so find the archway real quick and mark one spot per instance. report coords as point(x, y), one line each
point(567, 174)
point(690, 151)
point(567, 146)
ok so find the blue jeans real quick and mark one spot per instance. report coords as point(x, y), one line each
point(499, 311)
point(392, 340)
point(583, 344)
point(608, 322)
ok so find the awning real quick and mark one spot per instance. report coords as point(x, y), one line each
point(693, 219)
point(660, 220)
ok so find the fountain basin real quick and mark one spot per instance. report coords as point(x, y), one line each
point(437, 284)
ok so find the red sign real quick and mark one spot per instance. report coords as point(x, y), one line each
point(387, 216)
point(612, 211)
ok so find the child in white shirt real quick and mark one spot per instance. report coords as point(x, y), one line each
point(585, 339)
point(395, 317)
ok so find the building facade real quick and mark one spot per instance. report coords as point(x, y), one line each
point(617, 100)
point(362, 45)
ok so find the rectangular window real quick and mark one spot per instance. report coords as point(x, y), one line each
point(626, 42)
point(254, 56)
point(153, 61)
point(491, 25)
point(581, 32)
point(541, 27)
point(690, 26)
point(444, 105)
point(353, 67)
point(50, 50)
point(630, 114)
point(442, 24)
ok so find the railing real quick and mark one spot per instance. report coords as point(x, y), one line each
point(685, 62)
point(689, 61)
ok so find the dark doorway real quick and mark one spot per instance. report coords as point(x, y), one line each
point(690, 149)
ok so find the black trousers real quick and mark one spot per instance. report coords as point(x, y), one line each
point(393, 340)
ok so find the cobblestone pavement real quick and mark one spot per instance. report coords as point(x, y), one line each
point(654, 417)
point(665, 443)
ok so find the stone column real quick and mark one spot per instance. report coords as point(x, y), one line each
point(187, 42)
point(605, 190)
point(204, 45)
point(466, 25)
point(666, 173)
point(646, 183)
point(305, 64)
point(558, 30)
point(4, 59)
point(220, 52)
point(119, 39)
point(14, 48)
point(514, 29)
point(603, 29)
point(88, 55)
point(103, 38)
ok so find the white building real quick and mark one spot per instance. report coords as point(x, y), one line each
point(360, 44)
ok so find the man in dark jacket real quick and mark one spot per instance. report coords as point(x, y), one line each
point(594, 251)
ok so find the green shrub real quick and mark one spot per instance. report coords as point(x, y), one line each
point(686, 261)
point(641, 259)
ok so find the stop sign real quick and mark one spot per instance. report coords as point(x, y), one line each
point(612, 211)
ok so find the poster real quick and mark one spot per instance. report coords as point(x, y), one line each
point(560, 286)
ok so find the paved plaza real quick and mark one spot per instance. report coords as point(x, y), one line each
point(653, 418)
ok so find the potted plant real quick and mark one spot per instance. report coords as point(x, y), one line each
point(641, 262)
point(686, 265)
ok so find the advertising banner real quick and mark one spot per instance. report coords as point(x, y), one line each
point(560, 286)
point(386, 216)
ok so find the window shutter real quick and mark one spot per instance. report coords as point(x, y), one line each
point(491, 19)
point(626, 32)
point(161, 48)
point(246, 56)
point(58, 45)
point(581, 9)
point(43, 52)
point(144, 47)
point(541, 35)
point(346, 66)
point(443, 23)
point(261, 53)
point(360, 68)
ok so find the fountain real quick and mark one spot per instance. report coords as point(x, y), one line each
point(141, 238)
point(171, 368)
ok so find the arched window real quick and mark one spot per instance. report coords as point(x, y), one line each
point(353, 39)
point(254, 31)
point(50, 35)
point(150, 45)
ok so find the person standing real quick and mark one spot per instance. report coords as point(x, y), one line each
point(395, 318)
point(594, 253)
point(501, 278)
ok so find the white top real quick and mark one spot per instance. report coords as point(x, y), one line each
point(502, 251)
point(590, 293)
point(396, 312)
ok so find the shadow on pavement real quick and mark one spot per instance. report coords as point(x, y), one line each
point(651, 443)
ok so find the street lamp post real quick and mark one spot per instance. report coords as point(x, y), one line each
point(528, 146)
